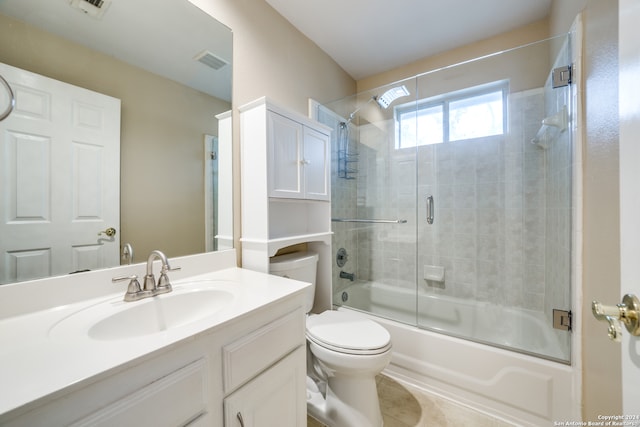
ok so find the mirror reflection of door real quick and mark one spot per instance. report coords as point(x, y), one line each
point(59, 136)
point(211, 191)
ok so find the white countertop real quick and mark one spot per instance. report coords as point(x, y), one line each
point(34, 362)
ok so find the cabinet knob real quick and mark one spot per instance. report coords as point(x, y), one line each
point(305, 162)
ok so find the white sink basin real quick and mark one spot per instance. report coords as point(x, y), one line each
point(115, 319)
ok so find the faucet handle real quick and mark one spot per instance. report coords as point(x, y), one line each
point(164, 284)
point(134, 292)
point(167, 268)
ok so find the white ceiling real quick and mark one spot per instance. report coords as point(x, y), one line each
point(366, 37)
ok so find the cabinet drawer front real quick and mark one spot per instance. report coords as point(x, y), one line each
point(161, 403)
point(245, 358)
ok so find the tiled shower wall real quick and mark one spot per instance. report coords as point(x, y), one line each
point(502, 219)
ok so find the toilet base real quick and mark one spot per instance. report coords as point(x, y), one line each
point(316, 403)
point(347, 403)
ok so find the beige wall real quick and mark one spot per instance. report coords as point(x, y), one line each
point(530, 33)
point(601, 258)
point(162, 128)
point(563, 13)
point(272, 58)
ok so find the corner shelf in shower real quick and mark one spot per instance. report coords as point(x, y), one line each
point(345, 170)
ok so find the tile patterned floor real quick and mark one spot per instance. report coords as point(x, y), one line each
point(403, 405)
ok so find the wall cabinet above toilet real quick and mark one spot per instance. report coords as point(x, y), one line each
point(287, 151)
point(286, 188)
point(298, 159)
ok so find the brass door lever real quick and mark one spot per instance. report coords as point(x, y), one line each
point(627, 312)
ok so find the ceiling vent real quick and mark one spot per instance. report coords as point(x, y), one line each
point(93, 8)
point(211, 60)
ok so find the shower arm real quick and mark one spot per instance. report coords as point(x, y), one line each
point(353, 113)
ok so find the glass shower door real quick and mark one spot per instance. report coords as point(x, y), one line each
point(373, 204)
point(452, 202)
point(495, 261)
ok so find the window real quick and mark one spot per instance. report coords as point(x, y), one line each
point(471, 113)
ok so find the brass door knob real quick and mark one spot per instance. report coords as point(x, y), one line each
point(110, 232)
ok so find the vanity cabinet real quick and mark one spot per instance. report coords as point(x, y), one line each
point(254, 366)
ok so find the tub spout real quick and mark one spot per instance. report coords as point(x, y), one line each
point(350, 276)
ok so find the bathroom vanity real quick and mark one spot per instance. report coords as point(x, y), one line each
point(225, 348)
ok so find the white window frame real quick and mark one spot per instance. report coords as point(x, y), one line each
point(444, 101)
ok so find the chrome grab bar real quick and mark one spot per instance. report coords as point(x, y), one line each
point(371, 221)
point(12, 100)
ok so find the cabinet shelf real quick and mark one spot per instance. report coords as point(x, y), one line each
point(271, 246)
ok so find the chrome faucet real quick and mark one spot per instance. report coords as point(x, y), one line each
point(127, 253)
point(150, 288)
point(350, 276)
point(163, 285)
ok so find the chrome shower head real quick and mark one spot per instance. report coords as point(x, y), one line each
point(391, 95)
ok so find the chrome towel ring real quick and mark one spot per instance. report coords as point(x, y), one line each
point(12, 102)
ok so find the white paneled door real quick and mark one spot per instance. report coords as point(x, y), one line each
point(59, 180)
point(629, 51)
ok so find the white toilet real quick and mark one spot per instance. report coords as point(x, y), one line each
point(346, 352)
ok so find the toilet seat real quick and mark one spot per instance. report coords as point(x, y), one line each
point(344, 333)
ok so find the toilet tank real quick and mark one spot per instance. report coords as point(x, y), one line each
point(300, 266)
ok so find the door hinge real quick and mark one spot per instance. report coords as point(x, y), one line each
point(561, 76)
point(562, 320)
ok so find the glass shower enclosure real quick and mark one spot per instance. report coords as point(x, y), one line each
point(452, 199)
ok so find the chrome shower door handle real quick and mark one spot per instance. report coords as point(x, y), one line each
point(430, 209)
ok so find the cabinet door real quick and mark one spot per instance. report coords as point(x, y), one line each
point(285, 155)
point(277, 397)
point(316, 163)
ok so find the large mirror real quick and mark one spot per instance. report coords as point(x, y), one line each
point(168, 67)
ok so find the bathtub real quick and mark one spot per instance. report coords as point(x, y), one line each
point(516, 387)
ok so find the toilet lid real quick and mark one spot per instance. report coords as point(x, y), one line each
point(346, 333)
